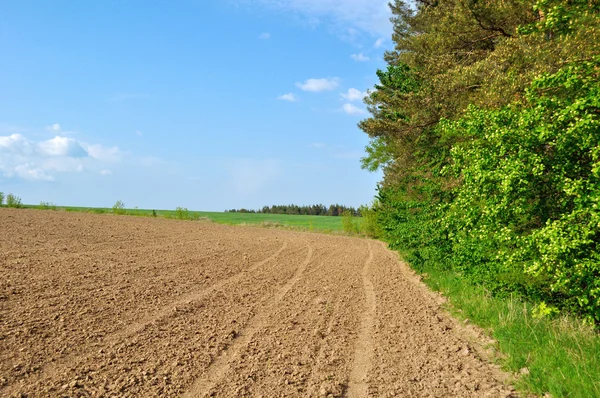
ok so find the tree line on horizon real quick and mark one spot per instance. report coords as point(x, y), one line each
point(486, 125)
point(310, 210)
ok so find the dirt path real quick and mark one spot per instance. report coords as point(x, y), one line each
point(107, 306)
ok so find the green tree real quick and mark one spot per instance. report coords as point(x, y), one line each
point(485, 126)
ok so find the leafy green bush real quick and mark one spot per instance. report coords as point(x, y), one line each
point(119, 207)
point(13, 201)
point(523, 210)
point(47, 206)
point(1, 198)
point(370, 226)
point(527, 215)
point(181, 213)
point(348, 223)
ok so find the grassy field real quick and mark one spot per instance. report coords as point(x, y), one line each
point(309, 223)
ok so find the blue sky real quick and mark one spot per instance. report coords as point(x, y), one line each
point(204, 104)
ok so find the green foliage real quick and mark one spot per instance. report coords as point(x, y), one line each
point(1, 198)
point(413, 227)
point(119, 207)
point(529, 204)
point(557, 17)
point(370, 226)
point(348, 224)
point(182, 213)
point(525, 214)
point(543, 310)
point(486, 124)
point(13, 201)
point(47, 206)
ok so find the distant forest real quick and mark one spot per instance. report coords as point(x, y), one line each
point(311, 210)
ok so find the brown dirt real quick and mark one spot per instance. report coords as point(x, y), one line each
point(107, 306)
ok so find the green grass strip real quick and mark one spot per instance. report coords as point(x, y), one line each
point(301, 222)
point(560, 356)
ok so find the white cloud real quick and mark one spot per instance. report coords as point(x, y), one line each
point(353, 95)
point(378, 43)
point(62, 164)
point(54, 127)
point(360, 57)
point(318, 145)
point(139, 133)
point(15, 143)
point(264, 36)
point(31, 160)
point(249, 176)
point(352, 110)
point(31, 172)
point(317, 85)
point(61, 146)
point(103, 153)
point(369, 16)
point(288, 97)
point(105, 172)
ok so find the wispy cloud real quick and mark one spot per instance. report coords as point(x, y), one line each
point(264, 36)
point(318, 85)
point(369, 16)
point(103, 153)
point(318, 145)
point(288, 97)
point(139, 133)
point(250, 176)
point(54, 127)
point(360, 57)
point(378, 43)
point(27, 171)
point(353, 95)
point(352, 109)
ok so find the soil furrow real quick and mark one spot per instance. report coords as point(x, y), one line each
point(357, 385)
point(57, 367)
point(191, 297)
point(220, 366)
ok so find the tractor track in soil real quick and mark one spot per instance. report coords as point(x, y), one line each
point(117, 306)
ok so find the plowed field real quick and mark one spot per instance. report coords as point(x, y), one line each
point(109, 306)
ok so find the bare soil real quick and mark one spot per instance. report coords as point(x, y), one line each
point(117, 306)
